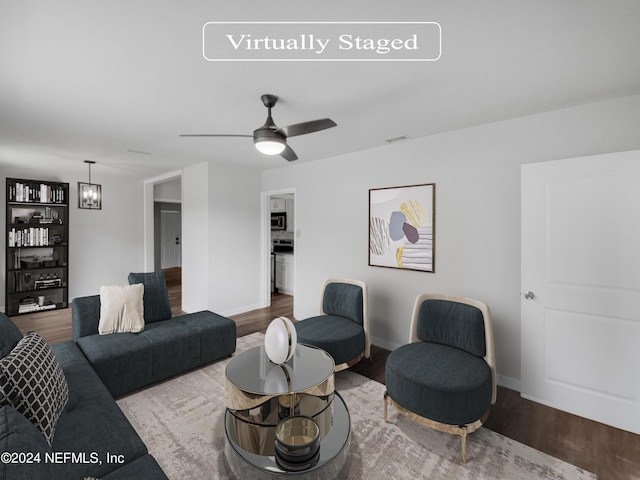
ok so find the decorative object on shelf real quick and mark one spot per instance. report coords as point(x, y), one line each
point(89, 194)
point(402, 227)
point(280, 340)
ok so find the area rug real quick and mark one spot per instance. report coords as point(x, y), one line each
point(181, 422)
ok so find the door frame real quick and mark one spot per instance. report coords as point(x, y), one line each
point(265, 243)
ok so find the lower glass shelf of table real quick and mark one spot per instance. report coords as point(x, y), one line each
point(243, 439)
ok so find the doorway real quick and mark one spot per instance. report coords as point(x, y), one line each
point(167, 221)
point(170, 250)
point(279, 243)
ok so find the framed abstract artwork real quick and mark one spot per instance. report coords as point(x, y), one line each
point(402, 227)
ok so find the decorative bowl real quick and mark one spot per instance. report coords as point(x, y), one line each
point(297, 443)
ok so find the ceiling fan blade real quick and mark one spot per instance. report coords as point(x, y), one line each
point(306, 127)
point(289, 154)
point(212, 135)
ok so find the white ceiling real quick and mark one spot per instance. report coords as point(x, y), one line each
point(102, 80)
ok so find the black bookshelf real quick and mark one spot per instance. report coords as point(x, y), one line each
point(37, 246)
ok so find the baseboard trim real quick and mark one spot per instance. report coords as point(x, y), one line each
point(239, 310)
point(384, 343)
point(508, 382)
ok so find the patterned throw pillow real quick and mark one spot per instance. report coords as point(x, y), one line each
point(32, 381)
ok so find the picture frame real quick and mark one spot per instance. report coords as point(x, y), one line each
point(89, 196)
point(402, 227)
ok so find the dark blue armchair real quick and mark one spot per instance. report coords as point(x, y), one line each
point(445, 377)
point(342, 328)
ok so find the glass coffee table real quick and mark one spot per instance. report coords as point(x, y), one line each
point(260, 394)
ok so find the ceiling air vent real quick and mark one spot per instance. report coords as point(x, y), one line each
point(397, 139)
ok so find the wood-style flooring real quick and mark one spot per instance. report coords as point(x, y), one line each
point(610, 453)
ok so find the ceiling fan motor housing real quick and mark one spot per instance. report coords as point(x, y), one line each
point(268, 141)
point(265, 134)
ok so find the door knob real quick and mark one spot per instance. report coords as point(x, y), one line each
point(528, 295)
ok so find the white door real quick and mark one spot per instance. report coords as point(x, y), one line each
point(170, 239)
point(581, 271)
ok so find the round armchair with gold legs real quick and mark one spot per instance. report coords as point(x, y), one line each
point(445, 377)
point(342, 328)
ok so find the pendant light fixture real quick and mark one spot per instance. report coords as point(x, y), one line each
point(89, 194)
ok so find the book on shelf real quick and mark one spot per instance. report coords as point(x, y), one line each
point(34, 307)
point(29, 237)
point(36, 193)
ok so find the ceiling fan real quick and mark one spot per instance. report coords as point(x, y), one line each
point(271, 140)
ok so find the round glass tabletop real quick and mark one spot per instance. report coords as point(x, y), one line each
point(252, 372)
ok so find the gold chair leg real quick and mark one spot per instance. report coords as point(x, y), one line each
point(385, 407)
point(461, 430)
point(463, 437)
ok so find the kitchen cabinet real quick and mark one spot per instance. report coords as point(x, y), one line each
point(290, 215)
point(284, 273)
point(37, 246)
point(278, 204)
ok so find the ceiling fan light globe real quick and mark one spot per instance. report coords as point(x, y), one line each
point(271, 146)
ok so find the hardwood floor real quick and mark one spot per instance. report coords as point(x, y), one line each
point(610, 453)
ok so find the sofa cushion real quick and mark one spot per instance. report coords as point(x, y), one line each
point(156, 296)
point(19, 435)
point(10, 335)
point(121, 309)
point(123, 361)
point(216, 334)
point(32, 381)
point(439, 382)
point(338, 336)
point(92, 423)
point(174, 348)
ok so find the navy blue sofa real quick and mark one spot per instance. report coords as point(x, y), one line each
point(90, 425)
point(100, 367)
point(166, 347)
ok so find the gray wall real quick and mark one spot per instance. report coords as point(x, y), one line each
point(477, 176)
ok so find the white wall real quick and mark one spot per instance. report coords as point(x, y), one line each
point(195, 238)
point(234, 239)
point(105, 245)
point(221, 238)
point(477, 176)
